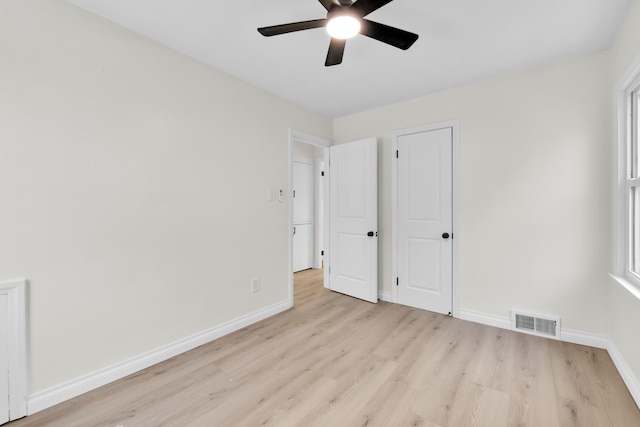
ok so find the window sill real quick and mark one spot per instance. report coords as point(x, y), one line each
point(628, 285)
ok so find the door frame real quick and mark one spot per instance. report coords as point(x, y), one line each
point(319, 193)
point(305, 138)
point(455, 172)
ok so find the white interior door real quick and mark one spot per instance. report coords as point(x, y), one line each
point(4, 358)
point(353, 223)
point(424, 220)
point(302, 244)
point(302, 216)
point(302, 193)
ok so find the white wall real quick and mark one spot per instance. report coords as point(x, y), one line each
point(304, 153)
point(625, 308)
point(534, 178)
point(134, 187)
point(625, 49)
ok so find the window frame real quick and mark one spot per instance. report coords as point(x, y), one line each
point(627, 169)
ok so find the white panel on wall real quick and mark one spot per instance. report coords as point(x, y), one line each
point(13, 363)
point(4, 358)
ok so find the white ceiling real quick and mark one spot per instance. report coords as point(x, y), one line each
point(461, 41)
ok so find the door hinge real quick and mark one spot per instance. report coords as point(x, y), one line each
point(294, 194)
point(322, 173)
point(397, 154)
point(322, 253)
point(397, 281)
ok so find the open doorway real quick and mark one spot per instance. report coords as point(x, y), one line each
point(308, 194)
point(307, 218)
point(308, 285)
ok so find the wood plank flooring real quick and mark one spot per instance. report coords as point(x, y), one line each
point(336, 361)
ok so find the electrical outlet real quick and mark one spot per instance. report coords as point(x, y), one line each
point(255, 285)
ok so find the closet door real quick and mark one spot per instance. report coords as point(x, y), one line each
point(425, 221)
point(302, 244)
point(302, 197)
point(302, 193)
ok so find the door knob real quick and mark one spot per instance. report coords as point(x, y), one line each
point(445, 235)
point(370, 234)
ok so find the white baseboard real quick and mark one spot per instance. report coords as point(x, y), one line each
point(45, 399)
point(629, 378)
point(567, 335)
point(584, 338)
point(385, 296)
point(486, 319)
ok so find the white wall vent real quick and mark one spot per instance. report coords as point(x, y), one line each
point(542, 325)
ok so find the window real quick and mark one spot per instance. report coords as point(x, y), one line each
point(632, 184)
point(628, 206)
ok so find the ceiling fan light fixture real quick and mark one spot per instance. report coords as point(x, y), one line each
point(343, 27)
point(345, 19)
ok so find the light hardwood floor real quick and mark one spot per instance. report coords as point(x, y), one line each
point(336, 361)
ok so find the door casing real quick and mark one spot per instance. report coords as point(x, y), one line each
point(305, 138)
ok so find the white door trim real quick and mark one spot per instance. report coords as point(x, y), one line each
point(319, 219)
point(298, 136)
point(16, 293)
point(455, 126)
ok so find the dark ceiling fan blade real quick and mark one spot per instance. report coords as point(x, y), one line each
point(336, 50)
point(290, 28)
point(390, 35)
point(328, 4)
point(365, 7)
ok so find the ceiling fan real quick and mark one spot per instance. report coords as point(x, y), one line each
point(345, 19)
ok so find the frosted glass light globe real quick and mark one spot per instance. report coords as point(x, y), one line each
point(343, 27)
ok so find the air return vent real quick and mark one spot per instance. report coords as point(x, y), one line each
point(546, 326)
